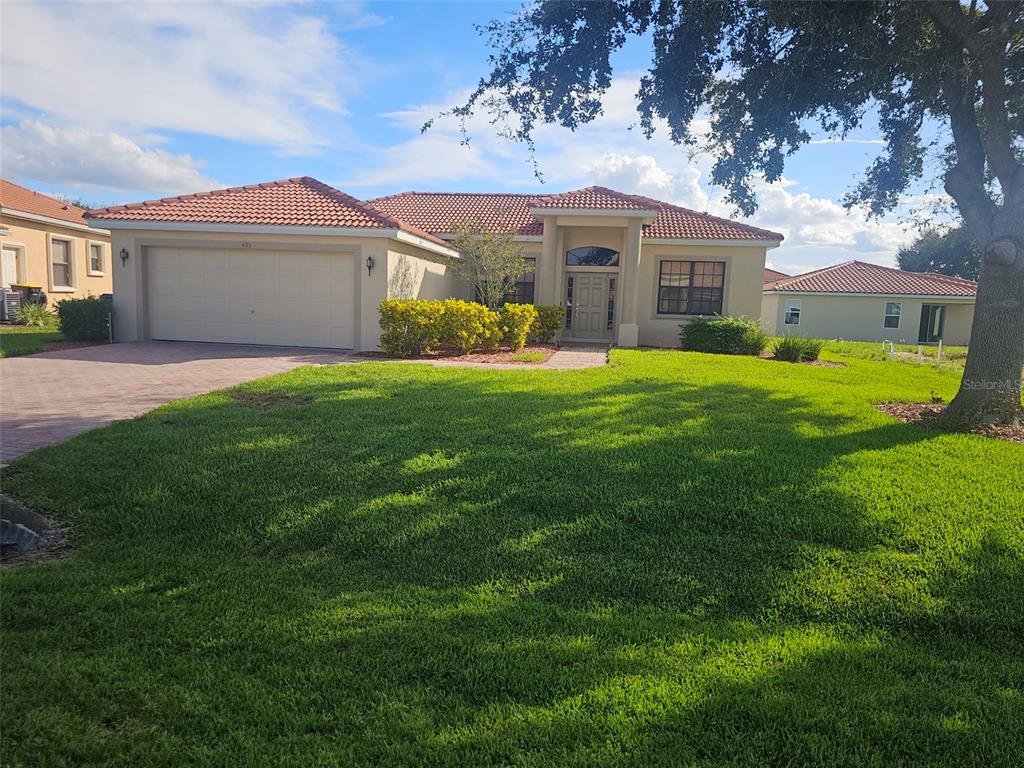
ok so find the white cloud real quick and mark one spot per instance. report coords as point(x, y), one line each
point(78, 157)
point(266, 75)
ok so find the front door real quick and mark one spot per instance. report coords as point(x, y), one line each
point(590, 305)
point(933, 318)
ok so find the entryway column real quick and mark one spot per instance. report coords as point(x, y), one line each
point(629, 329)
point(547, 284)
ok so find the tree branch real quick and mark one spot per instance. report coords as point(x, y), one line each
point(965, 181)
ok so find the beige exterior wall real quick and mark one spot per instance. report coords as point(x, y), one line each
point(32, 241)
point(861, 318)
point(426, 277)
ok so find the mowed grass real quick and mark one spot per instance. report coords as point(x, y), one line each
point(23, 340)
point(952, 357)
point(677, 559)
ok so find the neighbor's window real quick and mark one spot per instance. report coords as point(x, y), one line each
point(892, 314)
point(792, 312)
point(60, 257)
point(95, 257)
point(591, 256)
point(522, 290)
point(691, 287)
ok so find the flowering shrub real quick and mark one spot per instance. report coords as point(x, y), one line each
point(516, 320)
point(548, 324)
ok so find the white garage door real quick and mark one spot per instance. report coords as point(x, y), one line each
point(251, 296)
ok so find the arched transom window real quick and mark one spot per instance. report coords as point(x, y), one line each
point(591, 256)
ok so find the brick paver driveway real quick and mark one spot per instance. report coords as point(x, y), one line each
point(52, 396)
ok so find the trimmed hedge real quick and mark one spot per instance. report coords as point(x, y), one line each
point(417, 326)
point(516, 320)
point(548, 324)
point(795, 349)
point(86, 319)
point(724, 335)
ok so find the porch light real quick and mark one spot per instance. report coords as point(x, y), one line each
point(369, 264)
point(124, 256)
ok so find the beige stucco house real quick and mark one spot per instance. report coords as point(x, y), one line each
point(867, 302)
point(47, 244)
point(297, 262)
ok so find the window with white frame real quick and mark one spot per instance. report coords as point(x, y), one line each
point(792, 316)
point(893, 309)
point(61, 264)
point(96, 258)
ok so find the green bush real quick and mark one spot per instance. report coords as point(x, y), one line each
point(417, 326)
point(548, 324)
point(516, 320)
point(85, 319)
point(795, 349)
point(724, 335)
point(35, 316)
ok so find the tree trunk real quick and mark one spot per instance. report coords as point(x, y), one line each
point(991, 387)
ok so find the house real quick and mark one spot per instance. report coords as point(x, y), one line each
point(867, 302)
point(771, 275)
point(47, 244)
point(297, 262)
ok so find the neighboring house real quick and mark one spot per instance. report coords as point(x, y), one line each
point(298, 262)
point(771, 275)
point(47, 244)
point(866, 302)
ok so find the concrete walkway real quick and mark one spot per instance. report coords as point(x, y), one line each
point(52, 396)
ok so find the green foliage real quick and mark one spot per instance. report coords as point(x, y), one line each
point(35, 316)
point(797, 349)
point(549, 323)
point(725, 335)
point(489, 259)
point(674, 559)
point(418, 326)
point(516, 320)
point(85, 319)
point(952, 252)
point(24, 340)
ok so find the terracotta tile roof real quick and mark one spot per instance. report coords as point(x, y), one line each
point(861, 277)
point(437, 211)
point(771, 275)
point(19, 198)
point(301, 202)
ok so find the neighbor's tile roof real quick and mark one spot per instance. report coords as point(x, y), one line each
point(437, 212)
point(771, 275)
point(301, 202)
point(861, 277)
point(19, 198)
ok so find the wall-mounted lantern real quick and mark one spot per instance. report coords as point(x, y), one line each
point(369, 264)
point(124, 256)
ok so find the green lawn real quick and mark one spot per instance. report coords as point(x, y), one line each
point(952, 357)
point(22, 340)
point(678, 559)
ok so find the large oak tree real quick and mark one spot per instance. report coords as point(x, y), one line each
point(771, 73)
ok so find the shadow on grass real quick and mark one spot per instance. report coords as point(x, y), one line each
point(440, 567)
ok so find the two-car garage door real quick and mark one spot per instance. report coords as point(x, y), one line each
point(251, 296)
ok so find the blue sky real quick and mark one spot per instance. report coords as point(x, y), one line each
point(150, 99)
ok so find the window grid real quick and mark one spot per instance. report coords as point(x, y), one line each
point(893, 310)
point(522, 291)
point(60, 258)
point(691, 287)
point(611, 303)
point(96, 257)
point(792, 313)
point(568, 302)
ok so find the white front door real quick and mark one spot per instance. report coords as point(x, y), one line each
point(590, 305)
point(251, 296)
point(9, 267)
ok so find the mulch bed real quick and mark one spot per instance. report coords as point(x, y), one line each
point(492, 356)
point(929, 414)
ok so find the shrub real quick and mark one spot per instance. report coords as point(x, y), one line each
point(794, 349)
point(417, 326)
point(724, 335)
point(466, 326)
point(35, 316)
point(548, 324)
point(85, 319)
point(516, 320)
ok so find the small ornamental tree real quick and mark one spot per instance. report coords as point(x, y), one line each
point(771, 73)
point(489, 260)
